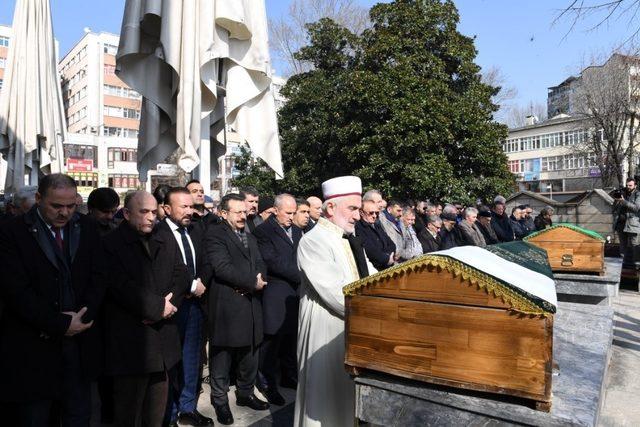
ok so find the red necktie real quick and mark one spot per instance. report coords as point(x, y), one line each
point(58, 235)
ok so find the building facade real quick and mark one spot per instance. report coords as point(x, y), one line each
point(548, 157)
point(5, 40)
point(557, 155)
point(96, 101)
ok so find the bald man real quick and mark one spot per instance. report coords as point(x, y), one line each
point(147, 281)
point(315, 211)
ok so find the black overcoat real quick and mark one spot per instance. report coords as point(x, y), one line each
point(234, 308)
point(32, 326)
point(139, 280)
point(429, 243)
point(279, 297)
point(377, 243)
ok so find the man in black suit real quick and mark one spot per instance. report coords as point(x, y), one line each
point(183, 400)
point(235, 312)
point(378, 246)
point(430, 236)
point(147, 282)
point(52, 288)
point(278, 241)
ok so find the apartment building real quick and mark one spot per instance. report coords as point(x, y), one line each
point(96, 101)
point(5, 39)
point(548, 157)
point(551, 157)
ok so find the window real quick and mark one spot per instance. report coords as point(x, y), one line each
point(4, 41)
point(1, 83)
point(109, 70)
point(86, 179)
point(110, 49)
point(121, 155)
point(121, 91)
point(124, 181)
point(81, 152)
point(3, 62)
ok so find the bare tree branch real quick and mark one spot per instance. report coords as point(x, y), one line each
point(288, 33)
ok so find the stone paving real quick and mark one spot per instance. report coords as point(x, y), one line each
point(622, 391)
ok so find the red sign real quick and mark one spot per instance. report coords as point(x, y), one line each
point(79, 165)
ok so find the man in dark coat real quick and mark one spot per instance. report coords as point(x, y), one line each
point(484, 225)
point(302, 219)
point(278, 241)
point(103, 204)
point(52, 288)
point(519, 231)
point(252, 202)
point(378, 246)
point(235, 311)
point(177, 225)
point(147, 282)
point(543, 220)
point(450, 236)
point(501, 223)
point(430, 237)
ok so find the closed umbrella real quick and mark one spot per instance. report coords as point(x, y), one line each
point(183, 57)
point(32, 122)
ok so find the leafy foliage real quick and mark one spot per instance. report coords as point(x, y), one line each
point(402, 106)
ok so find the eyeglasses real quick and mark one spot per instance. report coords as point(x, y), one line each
point(371, 213)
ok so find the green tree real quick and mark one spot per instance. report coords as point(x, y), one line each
point(402, 106)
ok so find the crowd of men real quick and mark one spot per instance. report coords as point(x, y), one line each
point(139, 297)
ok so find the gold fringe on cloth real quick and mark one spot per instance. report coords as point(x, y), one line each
point(518, 302)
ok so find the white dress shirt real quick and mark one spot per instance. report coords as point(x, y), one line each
point(176, 233)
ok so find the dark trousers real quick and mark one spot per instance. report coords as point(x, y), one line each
point(220, 365)
point(185, 398)
point(629, 249)
point(73, 409)
point(140, 400)
point(277, 357)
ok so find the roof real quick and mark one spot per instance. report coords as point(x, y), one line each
point(574, 201)
point(573, 227)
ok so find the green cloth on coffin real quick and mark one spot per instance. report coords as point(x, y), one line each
point(517, 273)
point(524, 254)
point(573, 227)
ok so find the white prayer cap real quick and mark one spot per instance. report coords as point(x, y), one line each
point(342, 186)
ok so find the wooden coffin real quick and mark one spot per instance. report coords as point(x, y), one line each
point(432, 320)
point(571, 249)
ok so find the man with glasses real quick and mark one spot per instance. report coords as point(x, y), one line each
point(430, 236)
point(235, 311)
point(378, 246)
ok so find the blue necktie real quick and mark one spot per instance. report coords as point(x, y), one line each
point(191, 266)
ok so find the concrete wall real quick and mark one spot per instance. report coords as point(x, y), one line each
point(593, 213)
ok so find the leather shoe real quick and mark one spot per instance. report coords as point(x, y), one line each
point(194, 418)
point(289, 382)
point(273, 396)
point(223, 414)
point(252, 402)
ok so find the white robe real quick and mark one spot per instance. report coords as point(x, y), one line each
point(325, 394)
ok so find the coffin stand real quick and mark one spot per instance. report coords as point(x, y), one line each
point(437, 320)
point(571, 249)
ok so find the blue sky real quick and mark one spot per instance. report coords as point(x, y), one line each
point(515, 35)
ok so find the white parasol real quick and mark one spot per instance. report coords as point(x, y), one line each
point(183, 57)
point(32, 122)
